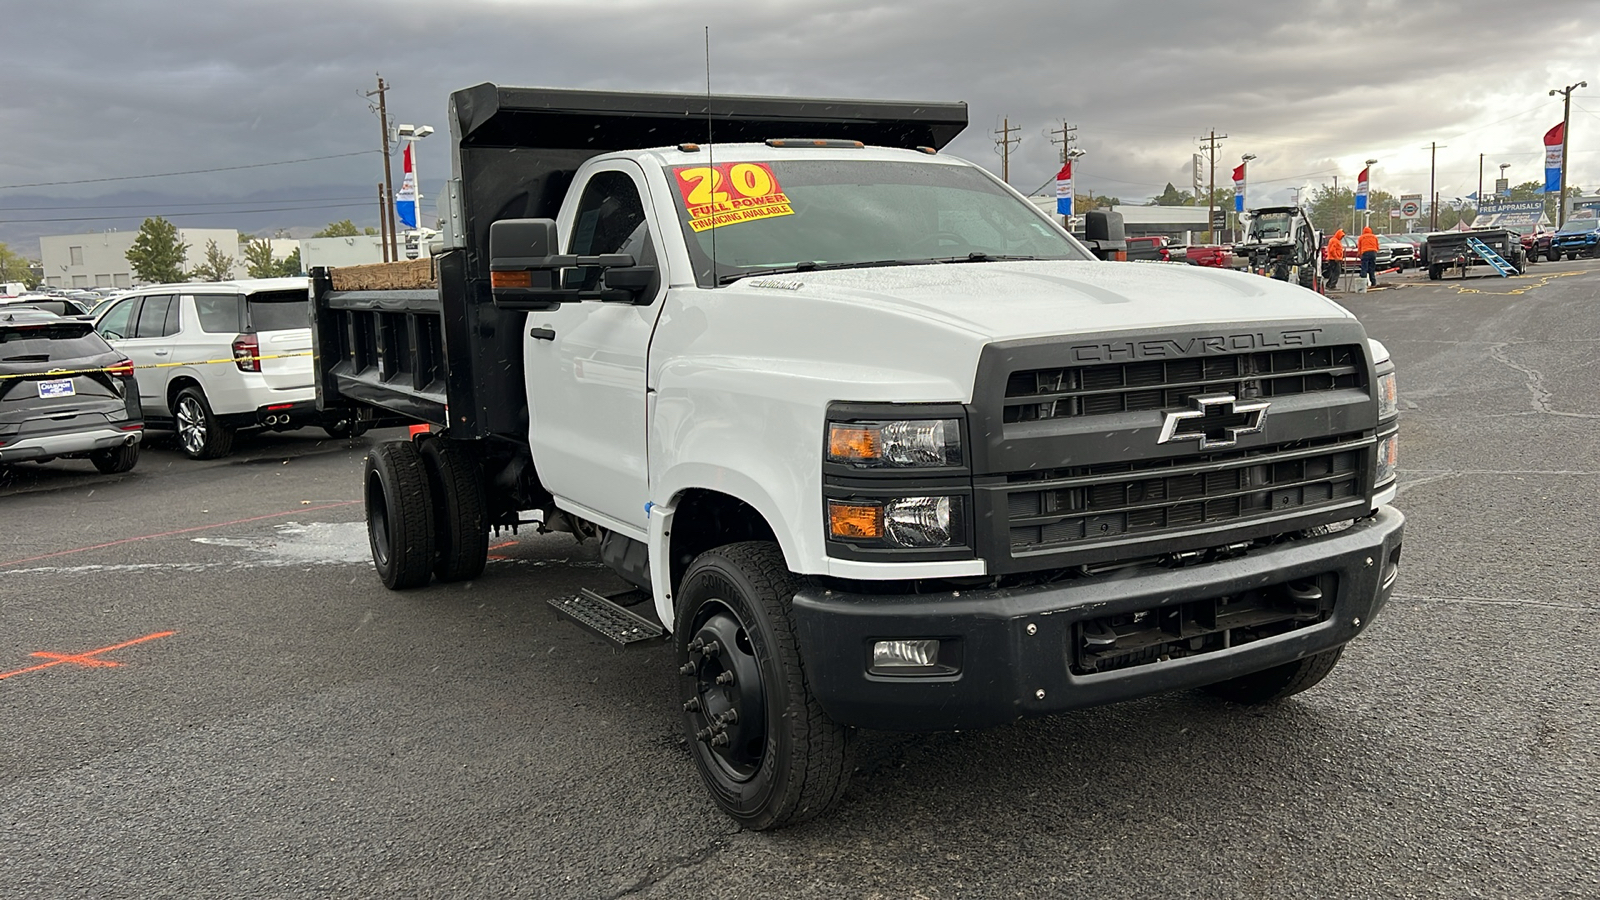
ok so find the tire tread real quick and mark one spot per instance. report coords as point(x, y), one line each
point(410, 514)
point(461, 535)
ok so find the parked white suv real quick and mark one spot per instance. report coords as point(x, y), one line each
point(215, 357)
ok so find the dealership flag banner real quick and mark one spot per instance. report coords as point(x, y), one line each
point(1361, 189)
point(1552, 158)
point(1238, 189)
point(405, 202)
point(1064, 189)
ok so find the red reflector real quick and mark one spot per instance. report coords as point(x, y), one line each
point(139, 427)
point(281, 406)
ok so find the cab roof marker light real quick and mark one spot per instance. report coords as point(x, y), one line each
point(689, 147)
point(931, 151)
point(809, 142)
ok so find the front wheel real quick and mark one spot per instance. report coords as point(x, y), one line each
point(1552, 255)
point(766, 751)
point(1435, 273)
point(1278, 682)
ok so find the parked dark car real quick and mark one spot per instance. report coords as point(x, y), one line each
point(60, 306)
point(64, 393)
point(1579, 237)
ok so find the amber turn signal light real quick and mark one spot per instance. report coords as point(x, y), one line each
point(855, 520)
point(852, 442)
point(523, 279)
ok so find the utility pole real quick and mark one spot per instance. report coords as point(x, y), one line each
point(1005, 143)
point(1211, 147)
point(1566, 126)
point(1066, 136)
point(1433, 149)
point(383, 221)
point(390, 251)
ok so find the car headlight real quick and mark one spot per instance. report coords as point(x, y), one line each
point(909, 443)
point(1388, 396)
point(1388, 459)
point(909, 522)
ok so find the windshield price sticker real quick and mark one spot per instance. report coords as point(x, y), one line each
point(730, 193)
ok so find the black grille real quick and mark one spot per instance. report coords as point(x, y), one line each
point(1080, 506)
point(1071, 392)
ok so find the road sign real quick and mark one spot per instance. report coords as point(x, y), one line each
point(1394, 213)
point(1219, 218)
point(1410, 209)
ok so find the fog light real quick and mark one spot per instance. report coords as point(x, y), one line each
point(905, 654)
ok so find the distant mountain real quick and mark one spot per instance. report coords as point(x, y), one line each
point(296, 211)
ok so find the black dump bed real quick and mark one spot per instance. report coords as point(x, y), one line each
point(417, 353)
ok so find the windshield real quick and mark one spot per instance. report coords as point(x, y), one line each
point(800, 215)
point(1581, 225)
point(1270, 225)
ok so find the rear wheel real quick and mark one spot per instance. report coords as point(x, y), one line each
point(399, 515)
point(1435, 273)
point(764, 747)
point(461, 526)
point(1278, 682)
point(1552, 254)
point(115, 460)
point(199, 433)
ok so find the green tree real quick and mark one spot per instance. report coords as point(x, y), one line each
point(290, 265)
point(15, 267)
point(157, 255)
point(217, 266)
point(344, 228)
point(258, 258)
point(1172, 197)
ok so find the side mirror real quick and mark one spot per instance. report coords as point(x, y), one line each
point(524, 269)
point(1103, 232)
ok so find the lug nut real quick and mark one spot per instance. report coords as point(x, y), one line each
point(721, 740)
point(702, 734)
point(725, 678)
point(691, 705)
point(712, 648)
point(686, 669)
point(731, 717)
point(696, 645)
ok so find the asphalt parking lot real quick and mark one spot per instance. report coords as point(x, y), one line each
point(205, 692)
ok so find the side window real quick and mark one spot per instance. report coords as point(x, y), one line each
point(153, 317)
point(174, 317)
point(219, 313)
point(610, 219)
point(117, 323)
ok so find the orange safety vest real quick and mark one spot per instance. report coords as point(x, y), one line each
point(1335, 248)
point(1368, 242)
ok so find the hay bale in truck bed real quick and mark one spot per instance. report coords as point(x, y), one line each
point(389, 276)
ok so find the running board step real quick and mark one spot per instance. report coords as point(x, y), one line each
point(595, 613)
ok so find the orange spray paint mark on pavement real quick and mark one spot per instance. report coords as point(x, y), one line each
point(501, 547)
point(89, 659)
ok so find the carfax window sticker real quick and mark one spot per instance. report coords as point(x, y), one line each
point(730, 193)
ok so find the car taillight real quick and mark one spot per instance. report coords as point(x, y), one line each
point(247, 353)
point(122, 369)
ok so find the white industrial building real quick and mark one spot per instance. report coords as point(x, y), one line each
point(101, 260)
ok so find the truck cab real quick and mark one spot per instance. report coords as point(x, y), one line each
point(876, 442)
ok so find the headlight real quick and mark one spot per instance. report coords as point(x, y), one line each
point(911, 522)
point(1388, 459)
point(920, 443)
point(1388, 396)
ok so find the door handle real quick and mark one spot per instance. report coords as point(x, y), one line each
point(542, 333)
point(161, 353)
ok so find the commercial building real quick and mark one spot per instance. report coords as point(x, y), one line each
point(101, 259)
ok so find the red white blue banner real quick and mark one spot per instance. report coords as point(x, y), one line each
point(1552, 158)
point(1361, 189)
point(1064, 189)
point(405, 202)
point(1238, 188)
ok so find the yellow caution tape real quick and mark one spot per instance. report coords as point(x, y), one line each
point(168, 365)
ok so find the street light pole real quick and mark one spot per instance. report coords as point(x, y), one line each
point(1566, 124)
point(1367, 219)
point(411, 134)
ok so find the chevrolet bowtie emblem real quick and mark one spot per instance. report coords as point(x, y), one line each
point(1217, 421)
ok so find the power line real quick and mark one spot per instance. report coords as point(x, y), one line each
point(285, 162)
point(6, 209)
point(179, 215)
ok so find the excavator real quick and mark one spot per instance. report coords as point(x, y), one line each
point(1281, 243)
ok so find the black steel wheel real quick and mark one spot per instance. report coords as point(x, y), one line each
point(764, 747)
point(115, 460)
point(461, 523)
point(1435, 273)
point(200, 434)
point(1278, 682)
point(399, 515)
point(1552, 254)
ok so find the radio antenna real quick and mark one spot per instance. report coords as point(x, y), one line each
point(711, 163)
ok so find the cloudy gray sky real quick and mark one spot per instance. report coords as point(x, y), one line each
point(98, 91)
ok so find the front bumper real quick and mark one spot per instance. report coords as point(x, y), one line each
point(49, 446)
point(1016, 646)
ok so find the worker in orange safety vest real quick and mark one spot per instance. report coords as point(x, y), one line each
point(1333, 258)
point(1367, 246)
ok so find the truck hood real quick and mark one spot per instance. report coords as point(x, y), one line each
point(1011, 300)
